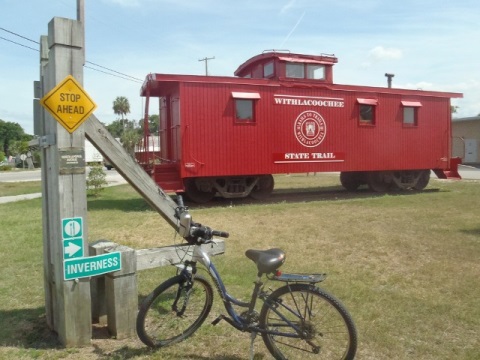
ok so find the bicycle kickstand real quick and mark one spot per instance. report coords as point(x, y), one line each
point(253, 335)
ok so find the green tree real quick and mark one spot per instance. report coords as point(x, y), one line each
point(115, 128)
point(10, 132)
point(153, 124)
point(18, 147)
point(121, 107)
point(118, 127)
point(129, 139)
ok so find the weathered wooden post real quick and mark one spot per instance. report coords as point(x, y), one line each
point(67, 302)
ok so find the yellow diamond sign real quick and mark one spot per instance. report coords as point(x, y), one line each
point(69, 104)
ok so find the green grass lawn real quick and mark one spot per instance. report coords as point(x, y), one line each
point(406, 265)
point(20, 188)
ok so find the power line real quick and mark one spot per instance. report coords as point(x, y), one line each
point(123, 76)
point(103, 67)
point(16, 43)
point(23, 37)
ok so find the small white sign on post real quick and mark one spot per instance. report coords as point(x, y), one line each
point(72, 234)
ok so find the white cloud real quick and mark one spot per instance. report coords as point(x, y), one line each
point(365, 64)
point(287, 6)
point(382, 53)
point(469, 105)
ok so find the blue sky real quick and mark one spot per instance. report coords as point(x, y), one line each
point(427, 44)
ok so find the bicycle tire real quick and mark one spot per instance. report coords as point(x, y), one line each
point(328, 329)
point(157, 319)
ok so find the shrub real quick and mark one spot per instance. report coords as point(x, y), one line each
point(96, 180)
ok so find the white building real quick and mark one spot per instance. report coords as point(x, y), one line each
point(466, 139)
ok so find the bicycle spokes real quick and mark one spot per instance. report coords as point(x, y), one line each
point(183, 294)
point(173, 311)
point(304, 319)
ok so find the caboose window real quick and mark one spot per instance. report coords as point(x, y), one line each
point(409, 115)
point(410, 112)
point(316, 72)
point(268, 69)
point(366, 114)
point(296, 71)
point(244, 110)
point(245, 106)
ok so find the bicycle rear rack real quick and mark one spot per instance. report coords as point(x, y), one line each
point(306, 278)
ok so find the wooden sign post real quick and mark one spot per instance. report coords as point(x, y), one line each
point(62, 140)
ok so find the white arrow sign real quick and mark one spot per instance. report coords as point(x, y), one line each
point(71, 249)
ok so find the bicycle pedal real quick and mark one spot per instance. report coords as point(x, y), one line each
point(217, 320)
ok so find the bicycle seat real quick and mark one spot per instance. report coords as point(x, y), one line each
point(267, 261)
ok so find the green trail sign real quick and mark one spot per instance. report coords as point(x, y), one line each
point(72, 248)
point(91, 266)
point(72, 228)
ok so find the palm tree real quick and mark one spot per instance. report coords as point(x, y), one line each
point(121, 107)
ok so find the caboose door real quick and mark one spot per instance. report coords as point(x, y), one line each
point(170, 129)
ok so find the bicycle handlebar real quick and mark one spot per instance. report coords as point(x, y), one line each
point(194, 232)
point(206, 233)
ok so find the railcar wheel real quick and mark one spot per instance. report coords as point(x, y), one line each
point(199, 190)
point(376, 182)
point(350, 180)
point(264, 187)
point(423, 180)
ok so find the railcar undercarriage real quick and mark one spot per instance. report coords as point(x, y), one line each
point(202, 190)
point(382, 181)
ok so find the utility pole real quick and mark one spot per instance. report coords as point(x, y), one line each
point(206, 63)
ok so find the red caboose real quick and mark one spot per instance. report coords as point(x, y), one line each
point(282, 113)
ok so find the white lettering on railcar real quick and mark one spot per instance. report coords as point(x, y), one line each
point(308, 101)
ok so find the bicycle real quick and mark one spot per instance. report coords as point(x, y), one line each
point(296, 320)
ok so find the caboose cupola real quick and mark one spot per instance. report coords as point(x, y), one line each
point(288, 66)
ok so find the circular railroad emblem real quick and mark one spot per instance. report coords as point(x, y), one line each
point(310, 128)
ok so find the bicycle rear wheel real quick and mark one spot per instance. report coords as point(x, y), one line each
point(174, 311)
point(325, 328)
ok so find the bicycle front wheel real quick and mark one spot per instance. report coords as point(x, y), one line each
point(174, 311)
point(305, 322)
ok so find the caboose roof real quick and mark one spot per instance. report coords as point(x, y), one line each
point(158, 85)
point(284, 56)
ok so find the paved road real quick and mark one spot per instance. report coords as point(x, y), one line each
point(20, 175)
point(469, 172)
point(113, 177)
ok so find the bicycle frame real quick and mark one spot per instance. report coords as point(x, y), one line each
point(199, 255)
